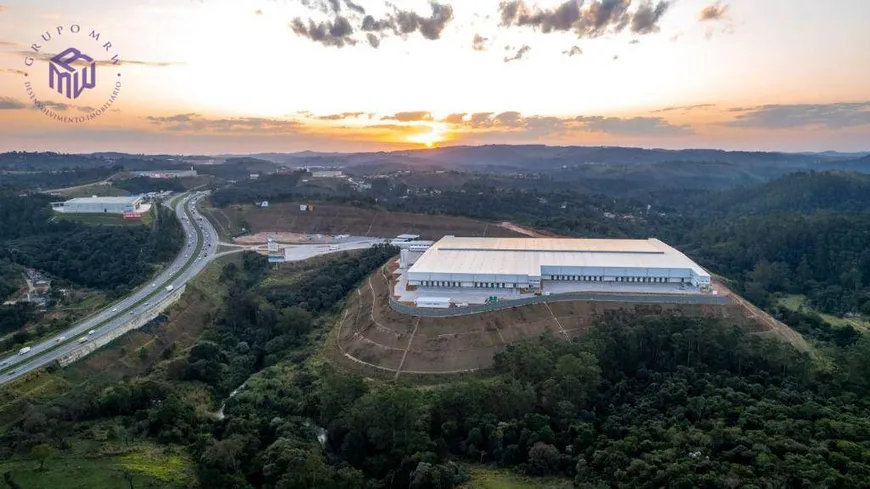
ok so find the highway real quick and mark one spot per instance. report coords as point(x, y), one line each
point(200, 246)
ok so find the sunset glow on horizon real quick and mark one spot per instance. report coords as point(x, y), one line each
point(218, 76)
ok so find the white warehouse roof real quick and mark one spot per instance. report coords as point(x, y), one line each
point(104, 200)
point(534, 257)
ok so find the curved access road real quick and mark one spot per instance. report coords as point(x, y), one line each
point(200, 246)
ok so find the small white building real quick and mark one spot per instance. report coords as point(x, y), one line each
point(100, 205)
point(327, 174)
point(433, 302)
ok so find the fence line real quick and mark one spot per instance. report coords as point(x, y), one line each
point(566, 297)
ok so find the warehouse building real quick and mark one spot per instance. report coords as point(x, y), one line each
point(555, 264)
point(101, 205)
point(165, 174)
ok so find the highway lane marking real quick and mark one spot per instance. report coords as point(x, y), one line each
point(48, 346)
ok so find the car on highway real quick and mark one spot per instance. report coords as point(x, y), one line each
point(115, 310)
point(60, 338)
point(91, 332)
point(83, 339)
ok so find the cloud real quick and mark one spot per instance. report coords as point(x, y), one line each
point(713, 12)
point(574, 51)
point(46, 56)
point(404, 22)
point(599, 17)
point(58, 106)
point(259, 11)
point(540, 126)
point(647, 16)
point(479, 43)
point(338, 33)
point(333, 5)
point(684, 108)
point(521, 52)
point(634, 126)
point(454, 118)
point(409, 116)
point(13, 71)
point(2, 8)
point(9, 103)
point(196, 123)
point(634, 41)
point(615, 57)
point(832, 116)
point(341, 116)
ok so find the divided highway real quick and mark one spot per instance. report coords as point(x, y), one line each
point(200, 246)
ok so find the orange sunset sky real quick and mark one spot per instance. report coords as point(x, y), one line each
point(237, 76)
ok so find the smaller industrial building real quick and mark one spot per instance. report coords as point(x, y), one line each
point(327, 174)
point(102, 205)
point(165, 173)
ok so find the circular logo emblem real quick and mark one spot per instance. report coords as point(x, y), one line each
point(71, 74)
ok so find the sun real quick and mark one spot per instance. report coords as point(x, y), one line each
point(429, 139)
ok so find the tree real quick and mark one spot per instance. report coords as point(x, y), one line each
point(40, 452)
point(128, 476)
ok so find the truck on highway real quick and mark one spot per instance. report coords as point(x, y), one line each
point(169, 288)
point(24, 351)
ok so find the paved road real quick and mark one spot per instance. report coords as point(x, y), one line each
point(199, 233)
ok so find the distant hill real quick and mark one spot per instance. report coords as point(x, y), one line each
point(802, 192)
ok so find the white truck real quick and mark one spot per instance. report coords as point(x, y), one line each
point(169, 288)
point(24, 351)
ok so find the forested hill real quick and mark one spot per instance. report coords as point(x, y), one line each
point(804, 192)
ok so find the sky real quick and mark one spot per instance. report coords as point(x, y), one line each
point(247, 76)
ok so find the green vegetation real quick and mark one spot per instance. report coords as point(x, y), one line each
point(109, 463)
point(105, 219)
point(98, 189)
point(491, 478)
point(112, 259)
point(144, 185)
point(637, 402)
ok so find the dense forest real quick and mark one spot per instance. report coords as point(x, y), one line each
point(637, 402)
point(110, 258)
point(48, 180)
point(144, 185)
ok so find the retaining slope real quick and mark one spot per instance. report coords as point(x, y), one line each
point(87, 348)
point(573, 296)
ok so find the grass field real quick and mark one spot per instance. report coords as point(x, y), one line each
point(795, 302)
point(98, 189)
point(106, 219)
point(490, 478)
point(344, 219)
point(92, 464)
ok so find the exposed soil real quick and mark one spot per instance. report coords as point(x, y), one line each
point(332, 219)
point(372, 336)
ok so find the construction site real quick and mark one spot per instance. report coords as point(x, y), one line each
point(373, 337)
